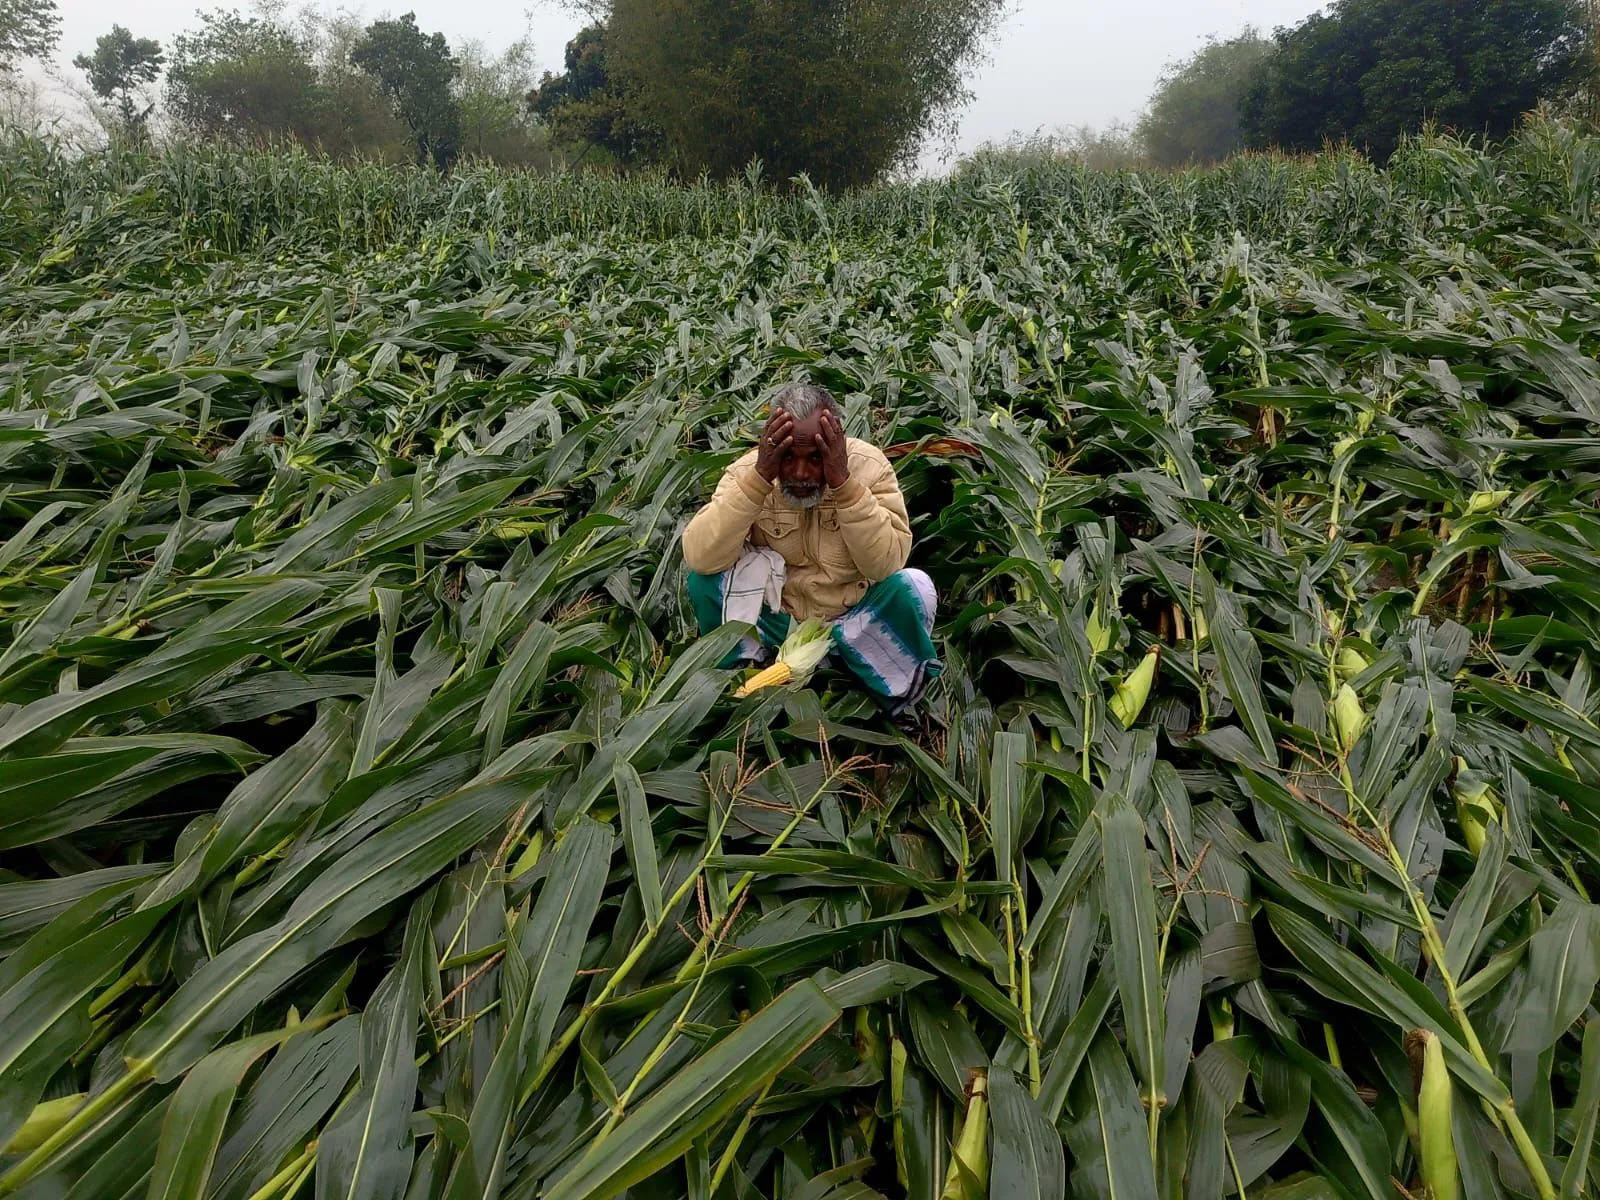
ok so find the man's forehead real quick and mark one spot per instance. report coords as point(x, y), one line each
point(807, 428)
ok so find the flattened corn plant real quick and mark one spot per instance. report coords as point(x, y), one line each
point(372, 824)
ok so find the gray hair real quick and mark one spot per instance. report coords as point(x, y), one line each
point(800, 400)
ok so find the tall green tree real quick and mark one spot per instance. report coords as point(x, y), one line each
point(491, 93)
point(587, 107)
point(1193, 115)
point(245, 79)
point(416, 71)
point(28, 29)
point(354, 116)
point(840, 89)
point(1370, 71)
point(119, 66)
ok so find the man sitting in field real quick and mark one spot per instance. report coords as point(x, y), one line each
point(812, 524)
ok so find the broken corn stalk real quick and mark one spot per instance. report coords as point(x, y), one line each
point(799, 655)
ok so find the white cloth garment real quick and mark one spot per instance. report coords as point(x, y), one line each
point(756, 580)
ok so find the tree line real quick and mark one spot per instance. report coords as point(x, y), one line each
point(386, 90)
point(843, 92)
point(1368, 72)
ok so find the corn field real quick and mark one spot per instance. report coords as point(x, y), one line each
point(373, 825)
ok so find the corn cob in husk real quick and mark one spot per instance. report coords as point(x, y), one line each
point(1435, 1132)
point(798, 657)
point(1128, 700)
point(1476, 806)
point(43, 1121)
point(1349, 718)
point(968, 1176)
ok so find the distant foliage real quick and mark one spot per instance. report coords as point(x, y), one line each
point(354, 117)
point(28, 29)
point(842, 93)
point(1369, 71)
point(119, 66)
point(416, 71)
point(242, 79)
point(1117, 147)
point(587, 108)
point(491, 96)
point(1193, 114)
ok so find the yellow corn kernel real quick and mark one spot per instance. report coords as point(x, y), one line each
point(774, 676)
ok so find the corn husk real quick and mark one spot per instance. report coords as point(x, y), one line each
point(1484, 502)
point(968, 1176)
point(43, 1121)
point(897, 1097)
point(805, 647)
point(1435, 1133)
point(1476, 806)
point(1349, 718)
point(1128, 700)
point(1350, 662)
point(1097, 631)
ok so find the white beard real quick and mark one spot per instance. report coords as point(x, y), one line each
point(807, 501)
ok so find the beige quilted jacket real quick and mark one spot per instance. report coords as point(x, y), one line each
point(858, 535)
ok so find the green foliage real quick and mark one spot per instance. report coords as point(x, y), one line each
point(416, 71)
point(1369, 71)
point(247, 80)
point(120, 64)
point(491, 95)
point(28, 29)
point(586, 107)
point(1114, 148)
point(841, 93)
point(373, 824)
point(1192, 118)
point(354, 117)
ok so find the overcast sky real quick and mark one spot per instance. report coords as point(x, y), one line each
point(1054, 63)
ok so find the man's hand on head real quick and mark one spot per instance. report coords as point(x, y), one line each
point(835, 451)
point(775, 441)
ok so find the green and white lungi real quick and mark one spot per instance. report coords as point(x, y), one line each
point(886, 640)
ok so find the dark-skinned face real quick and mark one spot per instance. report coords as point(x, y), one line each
point(800, 472)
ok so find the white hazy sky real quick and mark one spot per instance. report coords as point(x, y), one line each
point(1054, 62)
